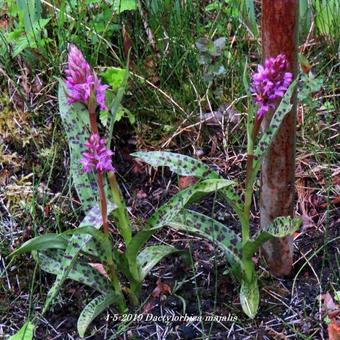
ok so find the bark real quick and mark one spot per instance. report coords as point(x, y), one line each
point(279, 35)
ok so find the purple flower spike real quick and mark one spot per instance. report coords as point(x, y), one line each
point(270, 83)
point(97, 157)
point(82, 81)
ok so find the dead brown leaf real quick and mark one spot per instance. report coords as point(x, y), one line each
point(99, 268)
point(334, 330)
point(161, 289)
point(186, 181)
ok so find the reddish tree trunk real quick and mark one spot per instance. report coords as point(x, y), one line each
point(279, 35)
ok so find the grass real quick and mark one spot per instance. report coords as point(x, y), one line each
point(167, 93)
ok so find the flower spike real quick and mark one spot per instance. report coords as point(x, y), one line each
point(82, 82)
point(97, 157)
point(270, 83)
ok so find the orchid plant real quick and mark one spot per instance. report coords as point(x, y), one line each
point(77, 254)
point(271, 84)
point(87, 254)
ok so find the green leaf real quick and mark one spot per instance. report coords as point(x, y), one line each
point(192, 194)
point(25, 332)
point(150, 256)
point(50, 262)
point(76, 244)
point(188, 166)
point(267, 138)
point(180, 164)
point(250, 297)
point(165, 214)
point(115, 103)
point(114, 76)
point(92, 310)
point(120, 6)
point(282, 226)
point(47, 241)
point(108, 257)
point(225, 238)
point(75, 119)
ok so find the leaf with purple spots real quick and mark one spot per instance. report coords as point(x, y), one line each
point(75, 119)
point(225, 238)
point(82, 272)
point(187, 166)
point(76, 244)
point(269, 135)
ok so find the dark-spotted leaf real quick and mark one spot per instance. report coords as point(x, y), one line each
point(187, 166)
point(225, 238)
point(75, 119)
point(282, 226)
point(166, 213)
point(180, 164)
point(76, 245)
point(150, 256)
point(93, 309)
point(50, 262)
point(268, 137)
point(192, 194)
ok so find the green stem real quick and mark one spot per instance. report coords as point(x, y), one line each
point(103, 205)
point(121, 212)
point(117, 288)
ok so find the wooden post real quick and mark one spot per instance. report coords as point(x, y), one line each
point(279, 35)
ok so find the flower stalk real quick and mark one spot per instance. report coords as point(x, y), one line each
point(123, 220)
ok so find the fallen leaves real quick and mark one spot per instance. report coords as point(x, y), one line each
point(332, 311)
point(186, 181)
point(161, 290)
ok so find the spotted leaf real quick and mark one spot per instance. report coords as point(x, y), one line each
point(75, 119)
point(150, 256)
point(250, 297)
point(76, 245)
point(168, 212)
point(187, 166)
point(93, 309)
point(282, 226)
point(225, 238)
point(268, 137)
point(81, 271)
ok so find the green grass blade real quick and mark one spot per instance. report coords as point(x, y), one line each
point(25, 332)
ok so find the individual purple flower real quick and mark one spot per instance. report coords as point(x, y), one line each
point(97, 157)
point(82, 81)
point(270, 83)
